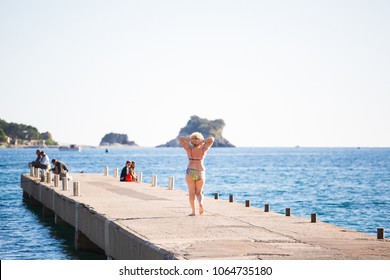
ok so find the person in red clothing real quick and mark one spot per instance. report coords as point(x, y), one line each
point(133, 175)
point(128, 172)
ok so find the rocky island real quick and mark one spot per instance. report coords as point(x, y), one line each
point(117, 139)
point(206, 127)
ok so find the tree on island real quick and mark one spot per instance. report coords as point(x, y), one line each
point(24, 133)
point(3, 136)
point(47, 137)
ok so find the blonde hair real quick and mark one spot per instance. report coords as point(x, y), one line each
point(197, 135)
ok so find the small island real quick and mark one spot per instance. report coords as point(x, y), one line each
point(117, 139)
point(206, 127)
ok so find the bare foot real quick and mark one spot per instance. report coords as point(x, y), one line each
point(201, 209)
point(192, 214)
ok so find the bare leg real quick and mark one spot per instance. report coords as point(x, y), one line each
point(191, 193)
point(199, 194)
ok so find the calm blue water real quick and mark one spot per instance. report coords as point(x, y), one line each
point(348, 187)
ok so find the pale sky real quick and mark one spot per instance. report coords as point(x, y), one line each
point(279, 73)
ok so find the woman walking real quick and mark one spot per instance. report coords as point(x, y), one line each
point(196, 147)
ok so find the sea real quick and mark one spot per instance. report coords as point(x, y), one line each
point(348, 187)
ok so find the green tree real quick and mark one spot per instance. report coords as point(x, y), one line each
point(48, 138)
point(25, 132)
point(3, 136)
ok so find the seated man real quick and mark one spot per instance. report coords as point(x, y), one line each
point(37, 160)
point(59, 168)
point(44, 162)
point(125, 172)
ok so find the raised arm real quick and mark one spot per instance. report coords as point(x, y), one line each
point(184, 142)
point(208, 142)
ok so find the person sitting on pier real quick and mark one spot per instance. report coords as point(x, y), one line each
point(196, 147)
point(125, 172)
point(44, 162)
point(37, 160)
point(59, 168)
point(133, 175)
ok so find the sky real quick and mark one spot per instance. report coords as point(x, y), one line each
point(279, 73)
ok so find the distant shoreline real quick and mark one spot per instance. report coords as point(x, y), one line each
point(138, 147)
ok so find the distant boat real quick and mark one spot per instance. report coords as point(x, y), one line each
point(72, 147)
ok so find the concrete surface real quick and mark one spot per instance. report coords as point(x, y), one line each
point(138, 221)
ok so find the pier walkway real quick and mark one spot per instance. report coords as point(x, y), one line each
point(139, 221)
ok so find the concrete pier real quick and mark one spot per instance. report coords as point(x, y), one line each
point(142, 222)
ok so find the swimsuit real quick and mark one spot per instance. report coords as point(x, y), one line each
point(192, 157)
point(195, 174)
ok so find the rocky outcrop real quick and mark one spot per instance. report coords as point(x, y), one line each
point(206, 127)
point(116, 139)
